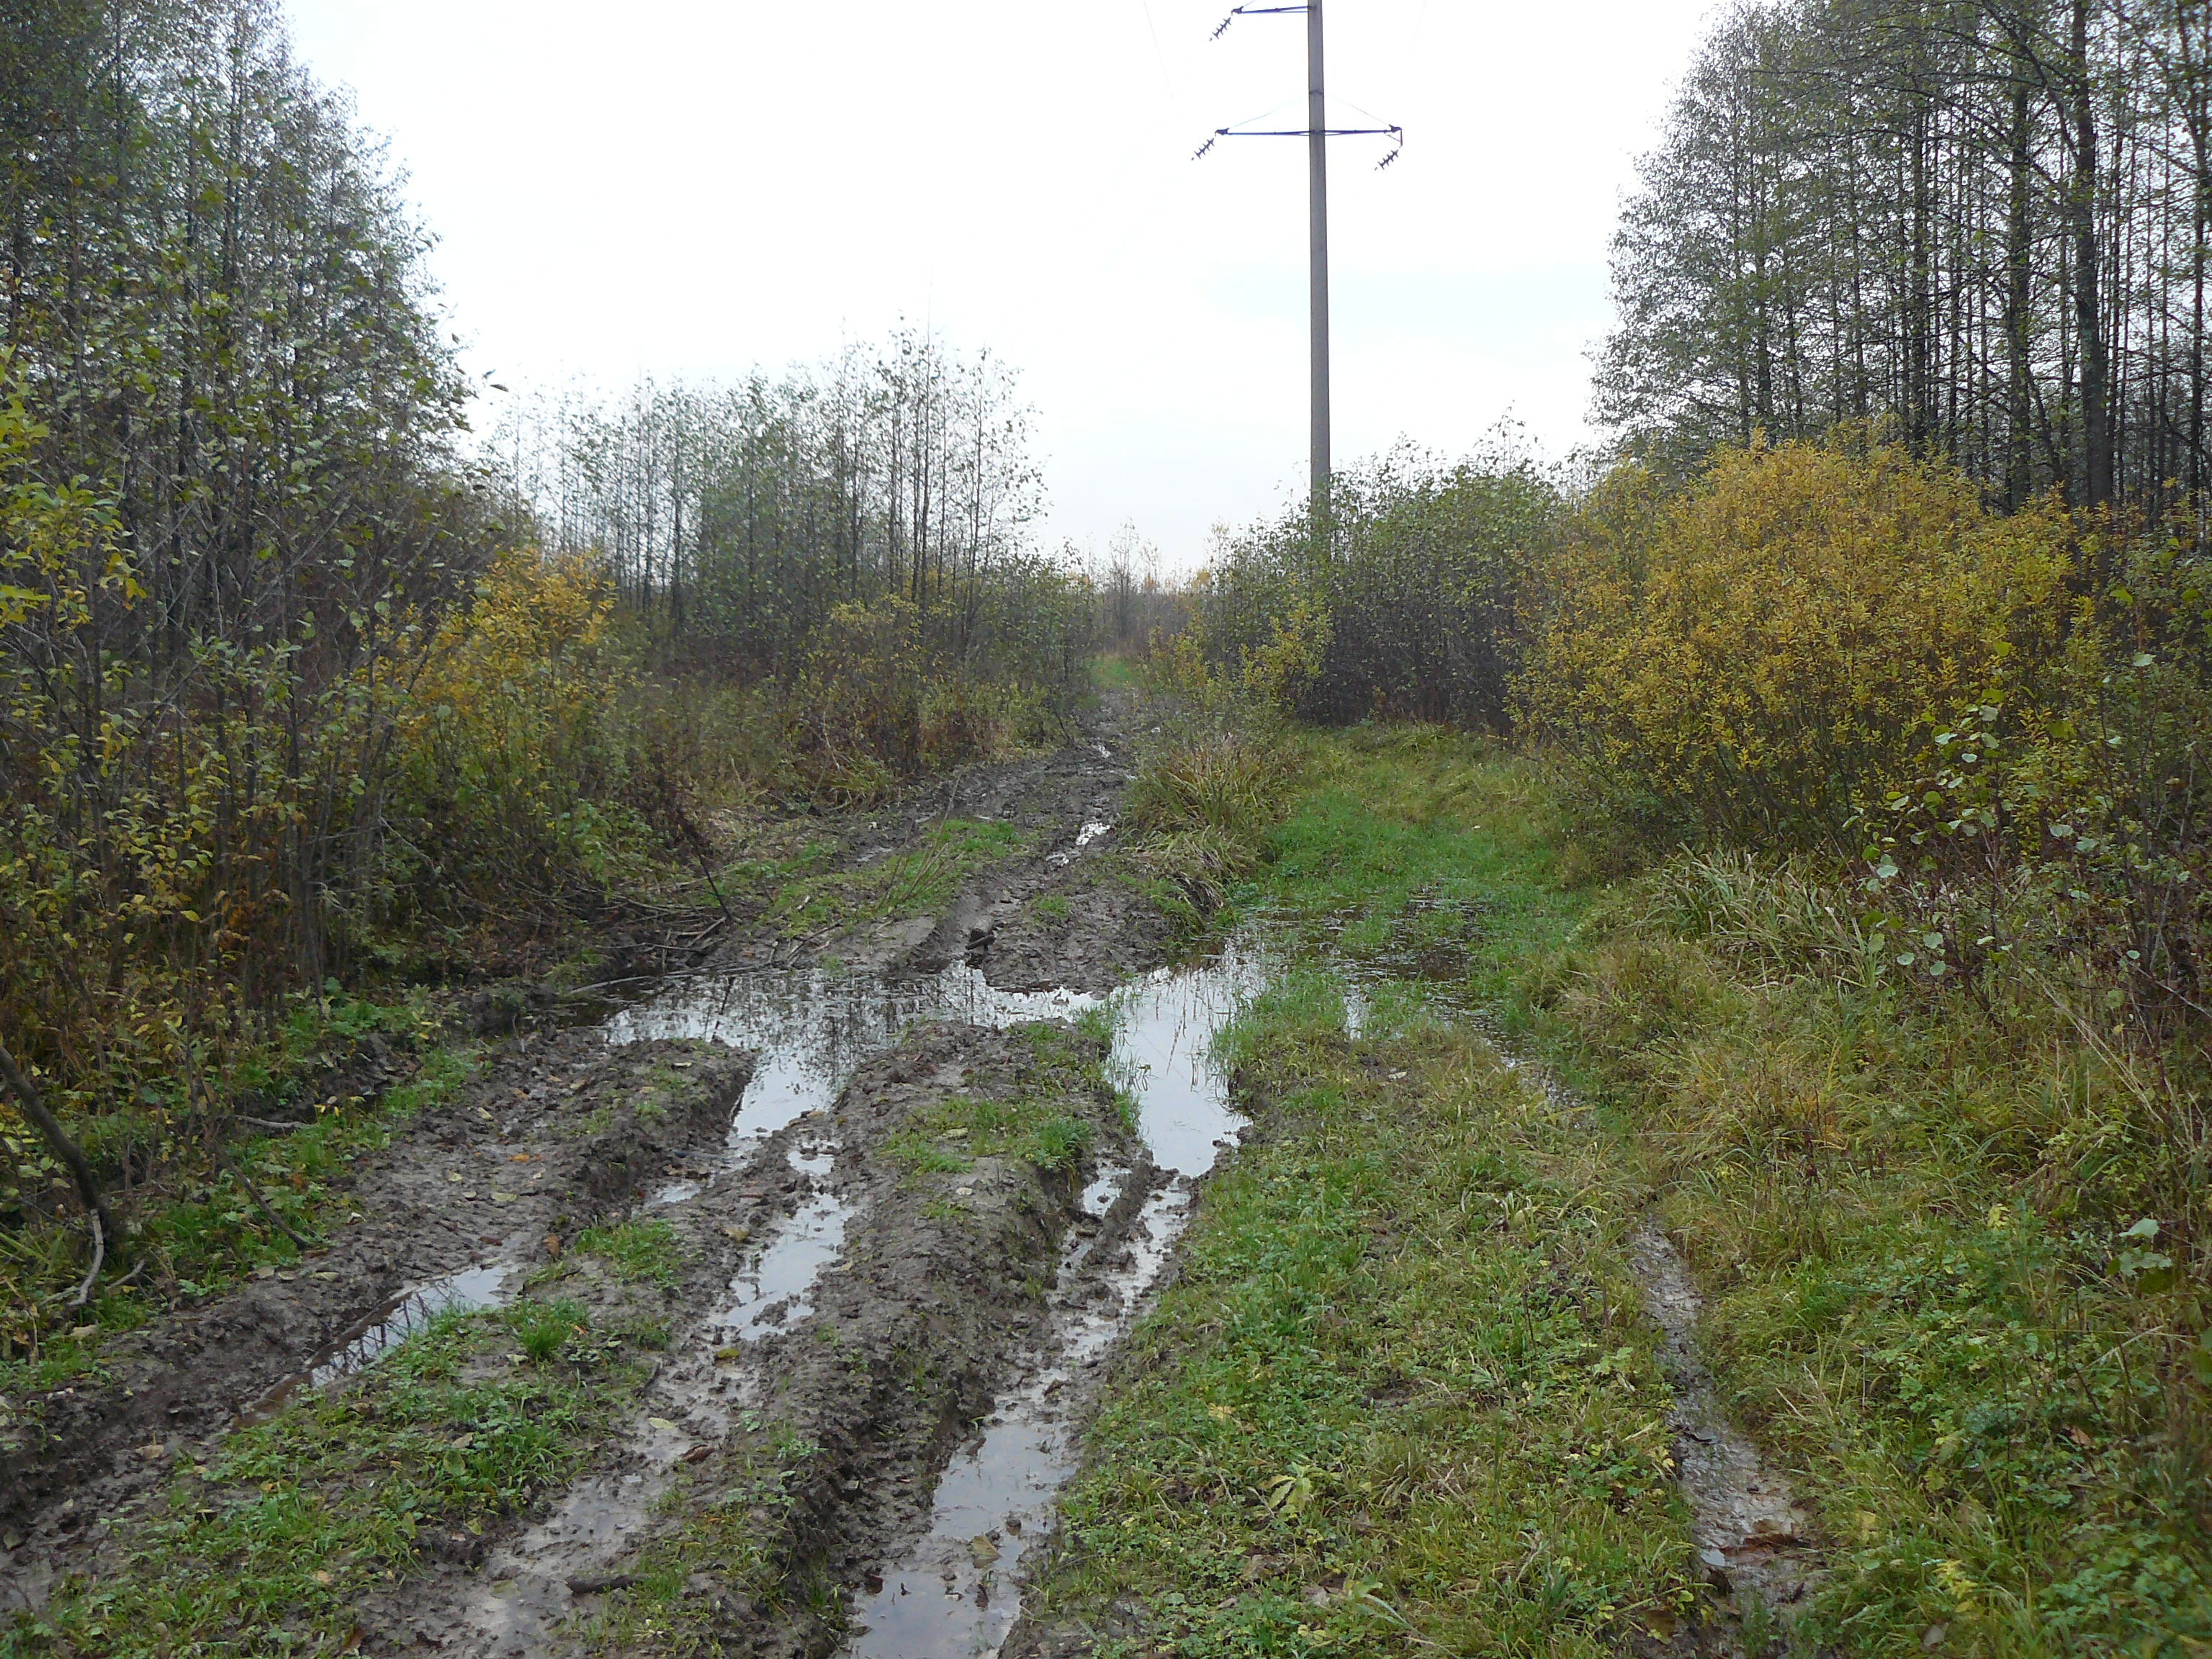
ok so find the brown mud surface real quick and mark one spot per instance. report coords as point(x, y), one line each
point(854, 1284)
point(553, 1133)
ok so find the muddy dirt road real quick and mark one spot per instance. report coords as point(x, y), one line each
point(867, 1204)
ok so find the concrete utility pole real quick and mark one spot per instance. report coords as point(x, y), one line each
point(1317, 255)
point(1316, 132)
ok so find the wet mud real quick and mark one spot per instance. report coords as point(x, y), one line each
point(556, 1133)
point(1755, 1544)
point(910, 1214)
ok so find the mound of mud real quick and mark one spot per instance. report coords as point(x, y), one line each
point(854, 1293)
point(552, 1133)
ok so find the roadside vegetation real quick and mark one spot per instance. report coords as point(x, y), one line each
point(1841, 840)
point(311, 704)
point(338, 1497)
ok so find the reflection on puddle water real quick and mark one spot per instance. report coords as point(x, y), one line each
point(411, 1311)
point(953, 1596)
point(813, 1027)
point(406, 1315)
point(787, 1270)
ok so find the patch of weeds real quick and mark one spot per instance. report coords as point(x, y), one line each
point(1400, 1396)
point(642, 1251)
point(545, 1329)
point(270, 1546)
point(731, 1519)
point(949, 1134)
point(1053, 907)
point(1949, 1246)
point(915, 882)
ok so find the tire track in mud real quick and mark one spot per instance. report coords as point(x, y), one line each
point(897, 1321)
point(887, 1318)
point(553, 1134)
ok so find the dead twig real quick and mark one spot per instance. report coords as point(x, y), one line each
point(34, 1107)
point(99, 1255)
point(223, 1156)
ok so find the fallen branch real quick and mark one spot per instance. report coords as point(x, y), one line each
point(34, 1107)
point(223, 1156)
point(99, 1255)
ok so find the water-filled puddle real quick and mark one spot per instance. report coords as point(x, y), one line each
point(776, 1290)
point(812, 1028)
point(406, 1315)
point(953, 1596)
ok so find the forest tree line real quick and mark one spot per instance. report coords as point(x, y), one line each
point(307, 688)
point(1984, 222)
point(736, 519)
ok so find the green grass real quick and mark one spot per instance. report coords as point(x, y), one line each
point(210, 1240)
point(1110, 672)
point(1398, 1398)
point(1038, 1116)
point(915, 882)
point(1923, 1220)
point(1421, 850)
point(643, 1251)
point(729, 1516)
point(268, 1548)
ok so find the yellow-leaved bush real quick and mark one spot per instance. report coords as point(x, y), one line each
point(1771, 648)
point(512, 757)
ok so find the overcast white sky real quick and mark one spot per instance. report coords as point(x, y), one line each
point(695, 186)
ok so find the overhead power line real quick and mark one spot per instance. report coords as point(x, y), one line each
point(1316, 132)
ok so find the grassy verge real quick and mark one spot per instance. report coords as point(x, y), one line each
point(268, 1547)
point(1399, 1396)
point(211, 1236)
point(1951, 1265)
point(801, 895)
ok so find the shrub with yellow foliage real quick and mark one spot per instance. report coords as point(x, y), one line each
point(513, 756)
point(1773, 647)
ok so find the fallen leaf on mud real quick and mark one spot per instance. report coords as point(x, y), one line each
point(983, 1549)
point(739, 1234)
point(499, 1197)
point(699, 1453)
point(1933, 1636)
point(1661, 1625)
point(963, 1192)
point(728, 1356)
point(520, 1157)
point(266, 1270)
point(154, 1453)
point(660, 1423)
point(453, 1174)
point(468, 1192)
point(326, 1275)
point(1315, 1596)
point(322, 1578)
point(81, 1332)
